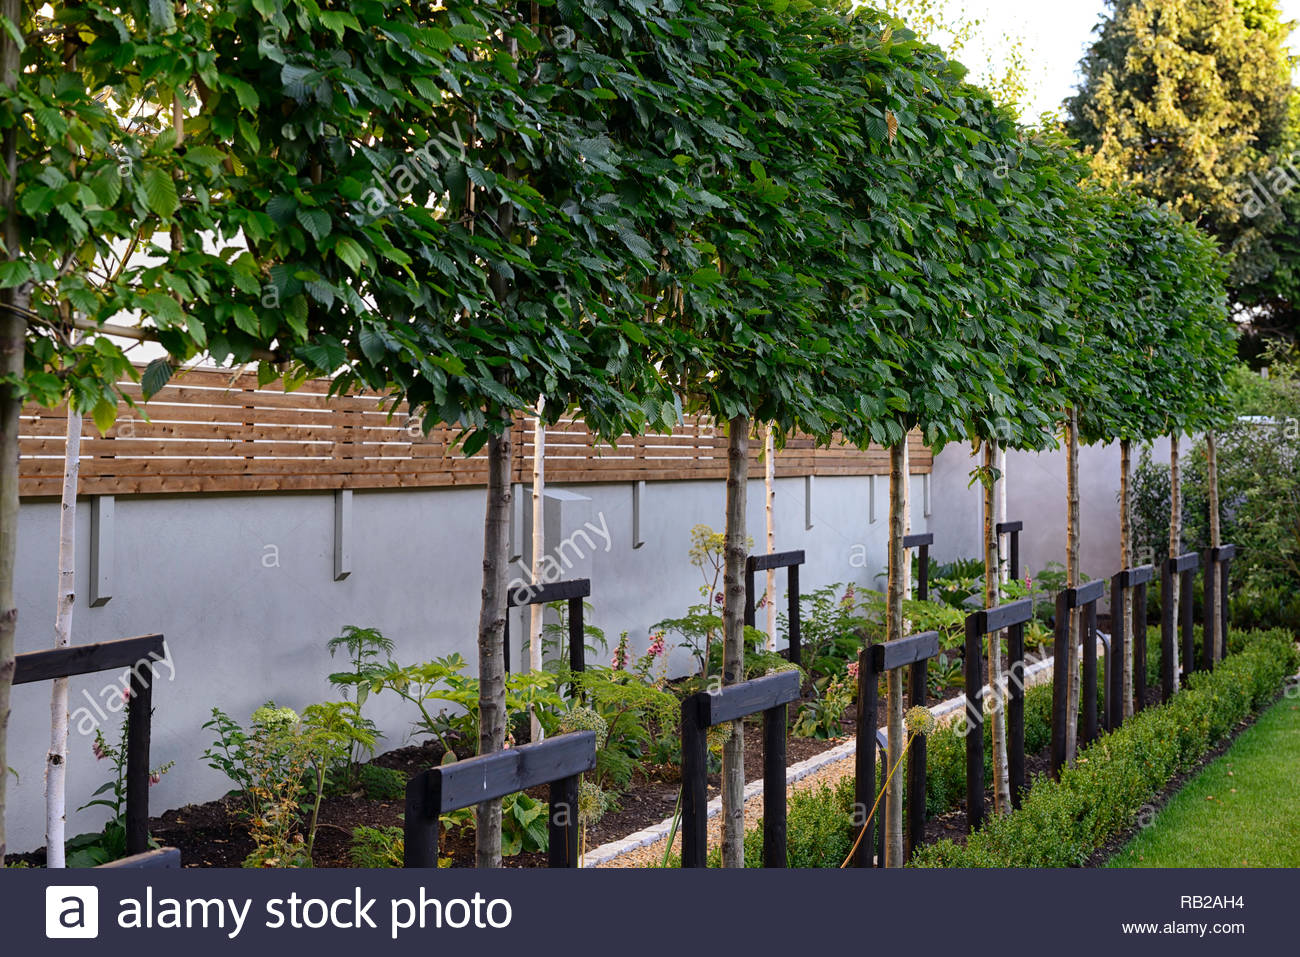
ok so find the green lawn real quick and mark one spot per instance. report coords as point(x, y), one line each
point(1241, 811)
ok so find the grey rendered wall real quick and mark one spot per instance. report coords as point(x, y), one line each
point(243, 588)
point(1036, 496)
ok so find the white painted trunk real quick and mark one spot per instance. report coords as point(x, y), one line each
point(535, 612)
point(56, 760)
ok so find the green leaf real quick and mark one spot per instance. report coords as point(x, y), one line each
point(156, 375)
point(160, 191)
point(316, 221)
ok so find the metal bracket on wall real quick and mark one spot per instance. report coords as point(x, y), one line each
point(102, 542)
point(871, 499)
point(925, 494)
point(808, 501)
point(638, 499)
point(342, 534)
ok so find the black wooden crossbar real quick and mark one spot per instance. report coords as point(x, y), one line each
point(919, 539)
point(749, 697)
point(571, 591)
point(1082, 600)
point(1085, 594)
point(1132, 577)
point(1217, 560)
point(914, 652)
point(164, 858)
point(905, 651)
point(1182, 567)
point(1134, 580)
point(791, 562)
point(1011, 617)
point(769, 695)
point(558, 761)
point(1003, 616)
point(87, 659)
point(775, 560)
point(140, 655)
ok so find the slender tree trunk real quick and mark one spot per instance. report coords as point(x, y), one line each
point(539, 554)
point(992, 597)
point(56, 759)
point(1126, 561)
point(733, 640)
point(769, 483)
point(1212, 477)
point(491, 639)
point(1072, 581)
point(13, 338)
point(898, 479)
point(1175, 542)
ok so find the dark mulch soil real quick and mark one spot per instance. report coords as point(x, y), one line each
point(213, 835)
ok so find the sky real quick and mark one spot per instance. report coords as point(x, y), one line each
point(1056, 33)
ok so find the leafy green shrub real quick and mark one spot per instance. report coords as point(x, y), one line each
point(1061, 823)
point(820, 827)
point(381, 784)
point(377, 847)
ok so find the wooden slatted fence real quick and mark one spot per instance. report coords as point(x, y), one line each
point(214, 431)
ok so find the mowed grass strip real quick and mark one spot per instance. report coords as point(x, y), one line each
point(1240, 811)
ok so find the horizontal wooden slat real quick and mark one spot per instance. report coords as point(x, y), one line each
point(748, 697)
point(1223, 553)
point(916, 541)
point(87, 659)
point(489, 776)
point(905, 651)
point(1132, 577)
point(1006, 528)
point(1003, 616)
point(556, 591)
point(1184, 563)
point(762, 563)
point(1085, 594)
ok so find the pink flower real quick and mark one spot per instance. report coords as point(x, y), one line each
point(853, 670)
point(762, 602)
point(656, 644)
point(719, 598)
point(154, 778)
point(849, 596)
point(98, 748)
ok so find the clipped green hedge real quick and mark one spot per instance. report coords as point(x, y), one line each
point(1062, 823)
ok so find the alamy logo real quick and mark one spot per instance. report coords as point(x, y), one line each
point(71, 912)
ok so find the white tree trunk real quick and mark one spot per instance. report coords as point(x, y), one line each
point(57, 757)
point(535, 612)
point(769, 482)
point(993, 597)
point(1175, 545)
point(733, 634)
point(1072, 581)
